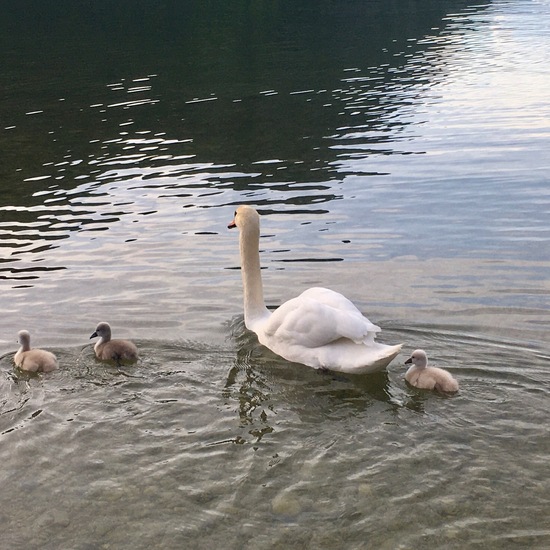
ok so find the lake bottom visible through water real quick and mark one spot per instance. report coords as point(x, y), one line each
point(199, 445)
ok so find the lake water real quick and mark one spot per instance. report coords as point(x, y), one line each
point(398, 153)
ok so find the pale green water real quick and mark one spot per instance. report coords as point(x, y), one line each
point(397, 156)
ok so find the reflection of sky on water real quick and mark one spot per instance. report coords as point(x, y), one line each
point(423, 153)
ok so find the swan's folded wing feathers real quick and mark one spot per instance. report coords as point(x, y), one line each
point(297, 321)
point(356, 327)
point(309, 323)
point(353, 324)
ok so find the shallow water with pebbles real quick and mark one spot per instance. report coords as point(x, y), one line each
point(236, 447)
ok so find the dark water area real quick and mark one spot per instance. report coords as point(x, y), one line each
point(397, 152)
point(218, 75)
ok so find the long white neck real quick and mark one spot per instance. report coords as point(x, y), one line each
point(249, 243)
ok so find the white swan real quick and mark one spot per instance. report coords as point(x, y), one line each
point(320, 328)
point(112, 350)
point(33, 360)
point(428, 378)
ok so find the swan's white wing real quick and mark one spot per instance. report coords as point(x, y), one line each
point(338, 301)
point(318, 317)
point(329, 297)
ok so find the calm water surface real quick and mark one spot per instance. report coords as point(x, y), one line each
point(398, 154)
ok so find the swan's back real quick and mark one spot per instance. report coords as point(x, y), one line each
point(321, 328)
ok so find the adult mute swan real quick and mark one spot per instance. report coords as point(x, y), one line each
point(320, 328)
point(428, 378)
point(33, 360)
point(112, 350)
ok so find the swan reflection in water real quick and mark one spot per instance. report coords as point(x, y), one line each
point(267, 390)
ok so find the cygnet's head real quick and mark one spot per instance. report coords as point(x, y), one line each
point(24, 337)
point(418, 358)
point(103, 330)
point(243, 215)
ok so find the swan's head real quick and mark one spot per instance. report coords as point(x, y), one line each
point(418, 358)
point(103, 330)
point(245, 216)
point(24, 338)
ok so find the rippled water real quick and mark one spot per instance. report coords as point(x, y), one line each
point(397, 154)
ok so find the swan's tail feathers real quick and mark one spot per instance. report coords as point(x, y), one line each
point(389, 354)
point(380, 359)
point(393, 351)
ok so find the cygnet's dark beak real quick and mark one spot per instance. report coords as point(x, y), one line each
point(231, 224)
point(409, 361)
point(94, 335)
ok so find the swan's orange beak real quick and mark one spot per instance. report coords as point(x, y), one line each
point(231, 224)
